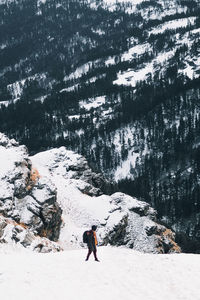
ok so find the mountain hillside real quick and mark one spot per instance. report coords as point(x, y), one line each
point(49, 200)
point(116, 81)
point(121, 219)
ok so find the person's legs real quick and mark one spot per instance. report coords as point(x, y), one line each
point(89, 252)
point(95, 254)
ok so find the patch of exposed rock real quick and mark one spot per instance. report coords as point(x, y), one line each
point(11, 231)
point(25, 196)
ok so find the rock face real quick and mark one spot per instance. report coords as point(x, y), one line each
point(72, 166)
point(26, 197)
point(11, 231)
point(121, 219)
point(137, 227)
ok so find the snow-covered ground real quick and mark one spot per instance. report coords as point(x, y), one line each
point(93, 102)
point(167, 8)
point(112, 2)
point(121, 274)
point(174, 24)
point(124, 170)
point(84, 69)
point(111, 5)
point(131, 77)
point(17, 87)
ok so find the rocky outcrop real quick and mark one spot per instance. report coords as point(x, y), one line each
point(74, 166)
point(26, 197)
point(11, 231)
point(133, 223)
point(121, 219)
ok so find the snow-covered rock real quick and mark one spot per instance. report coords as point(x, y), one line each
point(70, 165)
point(26, 197)
point(12, 232)
point(121, 219)
point(136, 227)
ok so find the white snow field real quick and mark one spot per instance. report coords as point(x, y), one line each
point(121, 274)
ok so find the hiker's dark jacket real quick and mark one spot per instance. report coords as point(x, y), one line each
point(91, 241)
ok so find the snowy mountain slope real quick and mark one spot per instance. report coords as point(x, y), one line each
point(169, 15)
point(121, 219)
point(121, 274)
point(57, 186)
point(117, 81)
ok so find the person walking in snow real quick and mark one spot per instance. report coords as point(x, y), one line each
point(92, 243)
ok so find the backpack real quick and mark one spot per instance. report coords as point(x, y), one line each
point(85, 237)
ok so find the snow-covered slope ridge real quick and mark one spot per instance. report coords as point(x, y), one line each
point(28, 204)
point(121, 219)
